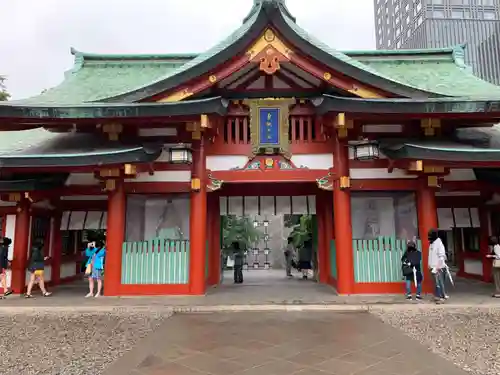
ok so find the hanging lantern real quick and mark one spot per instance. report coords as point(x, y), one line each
point(255, 223)
point(365, 150)
point(266, 223)
point(180, 154)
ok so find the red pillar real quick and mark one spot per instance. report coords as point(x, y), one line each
point(484, 235)
point(21, 243)
point(328, 233)
point(427, 220)
point(198, 222)
point(342, 220)
point(115, 236)
point(213, 233)
point(56, 248)
point(322, 251)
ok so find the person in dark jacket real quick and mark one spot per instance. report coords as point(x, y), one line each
point(238, 262)
point(305, 258)
point(4, 265)
point(36, 268)
point(411, 266)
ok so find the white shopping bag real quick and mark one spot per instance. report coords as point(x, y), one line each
point(230, 262)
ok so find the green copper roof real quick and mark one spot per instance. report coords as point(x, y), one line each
point(130, 78)
point(95, 77)
point(40, 147)
point(439, 70)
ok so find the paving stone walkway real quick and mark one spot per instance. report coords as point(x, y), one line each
point(261, 288)
point(273, 343)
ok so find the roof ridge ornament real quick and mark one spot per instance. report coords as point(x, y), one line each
point(258, 4)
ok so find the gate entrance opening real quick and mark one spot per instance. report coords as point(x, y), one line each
point(262, 219)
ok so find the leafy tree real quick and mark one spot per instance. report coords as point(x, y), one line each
point(302, 228)
point(238, 229)
point(4, 95)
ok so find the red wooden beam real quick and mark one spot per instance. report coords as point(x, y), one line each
point(384, 184)
point(236, 79)
point(202, 83)
point(335, 79)
point(296, 76)
point(157, 187)
point(257, 176)
point(276, 189)
point(290, 82)
point(268, 82)
point(248, 81)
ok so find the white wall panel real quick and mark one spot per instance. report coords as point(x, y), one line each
point(225, 163)
point(473, 266)
point(313, 161)
point(460, 175)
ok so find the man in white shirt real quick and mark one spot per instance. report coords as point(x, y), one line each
point(495, 256)
point(437, 264)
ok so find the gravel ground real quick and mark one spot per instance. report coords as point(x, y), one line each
point(469, 337)
point(68, 342)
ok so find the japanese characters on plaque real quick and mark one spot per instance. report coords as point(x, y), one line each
point(269, 126)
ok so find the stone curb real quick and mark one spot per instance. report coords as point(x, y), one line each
point(237, 308)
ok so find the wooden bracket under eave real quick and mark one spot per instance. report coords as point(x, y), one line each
point(433, 182)
point(344, 182)
point(129, 170)
point(430, 125)
point(342, 124)
point(113, 130)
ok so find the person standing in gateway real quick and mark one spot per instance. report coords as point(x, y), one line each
point(289, 256)
point(238, 262)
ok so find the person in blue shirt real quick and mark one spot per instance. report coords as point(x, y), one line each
point(94, 268)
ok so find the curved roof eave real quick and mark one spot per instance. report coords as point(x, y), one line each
point(330, 103)
point(215, 105)
point(224, 51)
point(275, 14)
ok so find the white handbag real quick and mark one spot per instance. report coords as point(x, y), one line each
point(230, 262)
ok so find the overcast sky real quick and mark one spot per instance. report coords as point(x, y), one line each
point(36, 35)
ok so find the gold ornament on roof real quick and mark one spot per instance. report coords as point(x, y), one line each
point(269, 35)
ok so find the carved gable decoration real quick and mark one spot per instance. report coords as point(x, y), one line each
point(269, 125)
point(270, 163)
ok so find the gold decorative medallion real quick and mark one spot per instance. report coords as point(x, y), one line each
point(269, 35)
point(327, 76)
point(212, 79)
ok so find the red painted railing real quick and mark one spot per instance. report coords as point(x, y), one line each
point(302, 129)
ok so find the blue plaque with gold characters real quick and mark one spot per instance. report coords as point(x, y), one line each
point(269, 125)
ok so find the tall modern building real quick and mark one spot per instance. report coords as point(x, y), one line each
point(414, 24)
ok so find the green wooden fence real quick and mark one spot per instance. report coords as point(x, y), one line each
point(158, 261)
point(333, 259)
point(378, 260)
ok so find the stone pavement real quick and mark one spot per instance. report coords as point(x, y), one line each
point(269, 289)
point(273, 343)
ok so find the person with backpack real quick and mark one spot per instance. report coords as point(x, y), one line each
point(4, 265)
point(36, 267)
point(94, 269)
point(412, 272)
